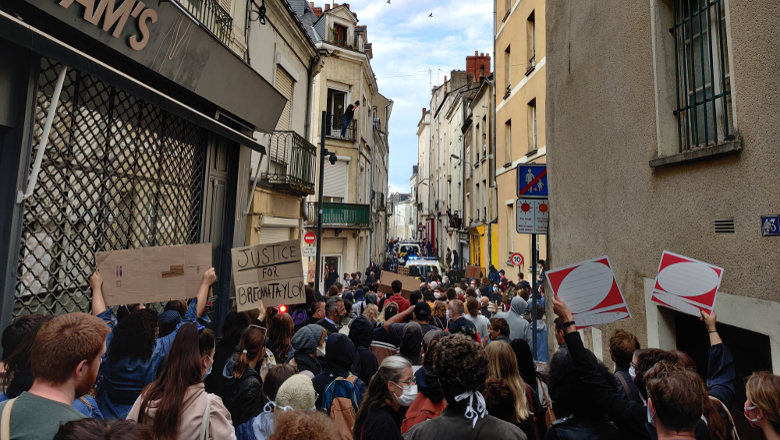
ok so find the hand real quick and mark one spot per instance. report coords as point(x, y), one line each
point(209, 277)
point(262, 310)
point(709, 320)
point(561, 309)
point(96, 281)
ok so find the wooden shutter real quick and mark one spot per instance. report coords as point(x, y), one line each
point(336, 178)
point(284, 84)
point(273, 235)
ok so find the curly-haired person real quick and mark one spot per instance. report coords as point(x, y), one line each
point(461, 365)
point(304, 425)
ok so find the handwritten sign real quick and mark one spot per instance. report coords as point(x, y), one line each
point(272, 273)
point(590, 290)
point(408, 284)
point(474, 272)
point(152, 274)
point(686, 284)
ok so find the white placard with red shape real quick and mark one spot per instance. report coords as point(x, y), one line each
point(686, 285)
point(590, 291)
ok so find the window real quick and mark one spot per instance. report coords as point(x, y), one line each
point(508, 142)
point(510, 226)
point(532, 126)
point(468, 168)
point(336, 179)
point(279, 151)
point(508, 6)
point(702, 73)
point(531, 42)
point(508, 71)
point(339, 35)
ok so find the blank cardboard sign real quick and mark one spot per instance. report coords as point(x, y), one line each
point(271, 273)
point(153, 274)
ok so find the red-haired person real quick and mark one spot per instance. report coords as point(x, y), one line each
point(65, 360)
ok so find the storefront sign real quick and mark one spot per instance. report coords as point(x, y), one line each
point(116, 17)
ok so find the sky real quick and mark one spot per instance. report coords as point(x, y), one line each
point(406, 43)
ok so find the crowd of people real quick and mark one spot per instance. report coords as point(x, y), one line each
point(364, 362)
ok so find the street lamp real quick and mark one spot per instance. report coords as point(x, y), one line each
point(456, 157)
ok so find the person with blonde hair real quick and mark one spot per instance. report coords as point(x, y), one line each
point(372, 313)
point(762, 407)
point(502, 364)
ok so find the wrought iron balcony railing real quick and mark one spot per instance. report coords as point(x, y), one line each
point(212, 16)
point(336, 129)
point(347, 215)
point(291, 164)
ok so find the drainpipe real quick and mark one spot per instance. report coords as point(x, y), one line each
point(307, 124)
point(493, 126)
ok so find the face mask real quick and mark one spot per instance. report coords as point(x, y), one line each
point(495, 289)
point(649, 416)
point(408, 396)
point(211, 366)
point(321, 351)
point(436, 295)
point(632, 372)
point(751, 421)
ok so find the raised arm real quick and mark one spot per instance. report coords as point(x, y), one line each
point(720, 368)
point(209, 278)
point(398, 318)
point(98, 303)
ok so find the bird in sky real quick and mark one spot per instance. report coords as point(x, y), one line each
point(430, 15)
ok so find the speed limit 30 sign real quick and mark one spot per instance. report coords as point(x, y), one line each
point(517, 259)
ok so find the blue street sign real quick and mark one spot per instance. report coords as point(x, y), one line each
point(770, 225)
point(532, 181)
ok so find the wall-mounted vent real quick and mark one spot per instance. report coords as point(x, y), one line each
point(725, 226)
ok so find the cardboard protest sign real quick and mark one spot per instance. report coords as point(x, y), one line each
point(686, 284)
point(590, 290)
point(409, 284)
point(272, 273)
point(152, 274)
point(310, 272)
point(474, 272)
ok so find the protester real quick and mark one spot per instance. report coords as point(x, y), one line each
point(402, 302)
point(622, 346)
point(527, 368)
point(361, 332)
point(384, 343)
point(429, 402)
point(175, 403)
point(294, 393)
point(439, 312)
point(459, 323)
point(579, 416)
point(762, 407)
point(305, 342)
point(410, 337)
point(484, 288)
point(519, 328)
point(392, 388)
point(232, 327)
point(242, 390)
point(461, 365)
point(304, 425)
point(421, 313)
point(134, 352)
point(560, 333)
point(18, 341)
point(359, 304)
point(331, 277)
point(479, 321)
point(339, 355)
point(64, 359)
point(502, 364)
point(675, 400)
point(334, 314)
point(499, 330)
point(317, 312)
point(280, 333)
point(542, 351)
point(97, 429)
point(372, 314)
point(484, 305)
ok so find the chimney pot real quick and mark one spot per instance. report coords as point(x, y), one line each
point(327, 6)
point(475, 53)
point(347, 5)
point(335, 5)
point(311, 5)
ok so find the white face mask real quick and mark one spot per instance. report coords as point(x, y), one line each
point(321, 351)
point(408, 395)
point(632, 372)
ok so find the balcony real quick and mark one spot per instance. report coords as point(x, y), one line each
point(213, 17)
point(345, 215)
point(291, 164)
point(380, 201)
point(335, 129)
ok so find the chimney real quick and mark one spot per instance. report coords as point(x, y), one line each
point(475, 53)
point(311, 5)
point(445, 84)
point(347, 5)
point(424, 111)
point(335, 5)
point(327, 7)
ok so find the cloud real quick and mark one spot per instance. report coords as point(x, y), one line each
point(406, 43)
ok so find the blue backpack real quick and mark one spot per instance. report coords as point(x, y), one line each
point(341, 401)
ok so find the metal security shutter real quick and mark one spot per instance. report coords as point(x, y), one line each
point(118, 173)
point(270, 234)
point(336, 178)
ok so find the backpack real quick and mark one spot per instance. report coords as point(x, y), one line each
point(511, 292)
point(341, 401)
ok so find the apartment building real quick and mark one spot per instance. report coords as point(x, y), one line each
point(520, 118)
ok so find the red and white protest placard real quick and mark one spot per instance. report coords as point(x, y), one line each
point(590, 291)
point(686, 284)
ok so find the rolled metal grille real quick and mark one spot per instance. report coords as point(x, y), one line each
point(117, 173)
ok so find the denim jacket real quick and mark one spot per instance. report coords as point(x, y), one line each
point(124, 380)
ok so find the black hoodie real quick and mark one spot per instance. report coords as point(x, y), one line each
point(339, 356)
point(428, 385)
point(361, 332)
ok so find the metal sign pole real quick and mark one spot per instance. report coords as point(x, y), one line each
point(317, 268)
point(533, 293)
